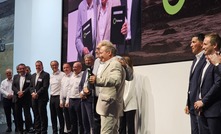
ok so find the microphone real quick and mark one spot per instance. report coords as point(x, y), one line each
point(89, 70)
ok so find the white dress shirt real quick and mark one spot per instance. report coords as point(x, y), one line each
point(73, 91)
point(90, 15)
point(203, 73)
point(198, 56)
point(102, 22)
point(55, 82)
point(21, 82)
point(65, 84)
point(6, 87)
point(129, 9)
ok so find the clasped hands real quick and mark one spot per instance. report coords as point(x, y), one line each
point(20, 94)
point(198, 104)
point(34, 95)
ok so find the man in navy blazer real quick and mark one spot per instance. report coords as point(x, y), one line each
point(21, 88)
point(196, 68)
point(133, 38)
point(209, 95)
point(39, 92)
point(87, 94)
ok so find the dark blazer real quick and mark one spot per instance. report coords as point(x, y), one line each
point(90, 86)
point(42, 85)
point(218, 69)
point(25, 89)
point(194, 83)
point(135, 24)
point(211, 93)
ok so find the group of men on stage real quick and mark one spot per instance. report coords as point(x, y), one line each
point(89, 101)
point(204, 93)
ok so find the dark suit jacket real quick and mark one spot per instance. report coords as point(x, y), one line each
point(211, 93)
point(90, 86)
point(42, 85)
point(25, 89)
point(194, 83)
point(135, 23)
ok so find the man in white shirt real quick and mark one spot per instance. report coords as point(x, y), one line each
point(55, 87)
point(65, 84)
point(73, 101)
point(8, 104)
point(86, 10)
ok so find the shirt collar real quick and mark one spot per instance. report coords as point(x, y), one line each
point(91, 6)
point(10, 79)
point(68, 75)
point(56, 73)
point(200, 54)
point(39, 72)
point(78, 75)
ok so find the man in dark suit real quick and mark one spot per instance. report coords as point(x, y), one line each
point(87, 95)
point(39, 92)
point(20, 86)
point(208, 104)
point(133, 15)
point(196, 69)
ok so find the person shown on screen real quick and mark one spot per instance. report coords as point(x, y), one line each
point(133, 19)
point(195, 72)
point(208, 102)
point(86, 10)
point(104, 21)
point(104, 18)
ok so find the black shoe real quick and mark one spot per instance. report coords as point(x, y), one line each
point(8, 130)
point(16, 129)
point(31, 131)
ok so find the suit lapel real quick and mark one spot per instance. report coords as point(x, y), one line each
point(191, 70)
point(206, 72)
point(106, 65)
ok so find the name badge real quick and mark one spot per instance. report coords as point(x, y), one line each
point(40, 80)
point(28, 81)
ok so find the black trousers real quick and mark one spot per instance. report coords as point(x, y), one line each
point(87, 116)
point(209, 125)
point(194, 124)
point(97, 118)
point(40, 116)
point(127, 121)
point(75, 116)
point(9, 106)
point(56, 111)
point(66, 116)
point(25, 105)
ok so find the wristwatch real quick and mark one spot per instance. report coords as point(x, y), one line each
point(216, 64)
